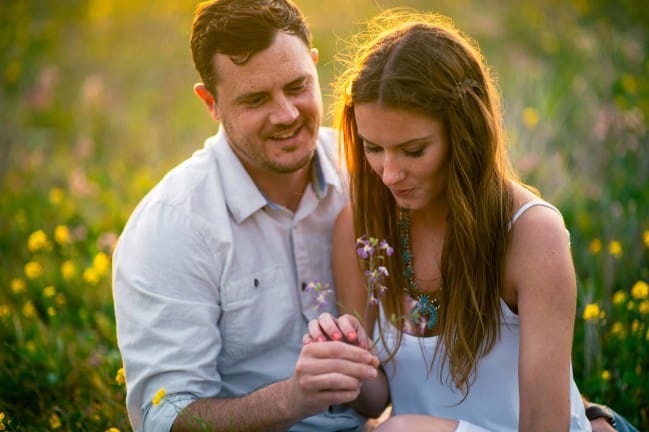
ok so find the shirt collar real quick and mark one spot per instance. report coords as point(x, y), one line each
point(325, 173)
point(242, 195)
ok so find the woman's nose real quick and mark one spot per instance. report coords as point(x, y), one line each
point(392, 172)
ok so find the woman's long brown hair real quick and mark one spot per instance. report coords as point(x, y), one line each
point(421, 63)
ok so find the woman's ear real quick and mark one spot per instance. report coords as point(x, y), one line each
point(206, 96)
point(315, 55)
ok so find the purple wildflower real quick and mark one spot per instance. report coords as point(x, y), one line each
point(321, 291)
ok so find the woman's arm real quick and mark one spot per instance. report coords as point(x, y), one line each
point(374, 394)
point(540, 273)
point(348, 280)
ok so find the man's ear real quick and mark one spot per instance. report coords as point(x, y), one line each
point(210, 101)
point(315, 55)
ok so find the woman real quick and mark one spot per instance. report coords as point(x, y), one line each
point(475, 327)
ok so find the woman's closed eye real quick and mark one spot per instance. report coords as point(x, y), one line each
point(371, 148)
point(414, 153)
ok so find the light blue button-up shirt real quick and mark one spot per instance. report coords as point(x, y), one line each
point(208, 281)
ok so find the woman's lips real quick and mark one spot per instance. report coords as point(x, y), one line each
point(402, 193)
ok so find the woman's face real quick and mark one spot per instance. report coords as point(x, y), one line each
point(407, 150)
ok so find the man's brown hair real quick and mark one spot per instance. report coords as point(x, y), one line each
point(240, 29)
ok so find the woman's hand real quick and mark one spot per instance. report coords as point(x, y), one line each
point(346, 328)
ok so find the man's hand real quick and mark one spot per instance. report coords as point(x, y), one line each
point(329, 373)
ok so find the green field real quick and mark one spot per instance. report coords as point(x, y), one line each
point(96, 104)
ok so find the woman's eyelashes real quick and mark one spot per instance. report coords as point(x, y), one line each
point(371, 148)
point(414, 153)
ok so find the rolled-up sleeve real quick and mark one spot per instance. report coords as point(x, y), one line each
point(162, 416)
point(167, 307)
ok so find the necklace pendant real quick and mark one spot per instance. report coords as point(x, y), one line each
point(424, 307)
point(424, 311)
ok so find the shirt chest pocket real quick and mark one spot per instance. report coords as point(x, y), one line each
point(259, 311)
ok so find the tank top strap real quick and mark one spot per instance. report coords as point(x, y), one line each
point(526, 207)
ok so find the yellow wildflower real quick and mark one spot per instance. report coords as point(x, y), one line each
point(38, 240)
point(56, 195)
point(68, 270)
point(31, 346)
point(643, 307)
point(33, 269)
point(640, 290)
point(615, 248)
point(630, 305)
point(4, 310)
point(60, 299)
point(121, 376)
point(55, 421)
point(530, 117)
point(101, 264)
point(606, 375)
point(645, 238)
point(90, 276)
point(62, 234)
point(112, 429)
point(28, 309)
point(635, 326)
point(17, 285)
point(617, 329)
point(591, 312)
point(49, 291)
point(51, 311)
point(158, 396)
point(595, 246)
point(647, 336)
point(619, 297)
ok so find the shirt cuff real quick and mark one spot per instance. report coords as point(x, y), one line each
point(160, 418)
point(465, 426)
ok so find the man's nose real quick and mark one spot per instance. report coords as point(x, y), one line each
point(284, 112)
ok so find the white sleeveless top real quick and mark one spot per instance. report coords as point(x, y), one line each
point(492, 403)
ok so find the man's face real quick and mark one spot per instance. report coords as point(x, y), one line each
point(271, 106)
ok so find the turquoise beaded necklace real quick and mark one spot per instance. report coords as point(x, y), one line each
point(425, 308)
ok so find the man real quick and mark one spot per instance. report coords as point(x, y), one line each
point(211, 269)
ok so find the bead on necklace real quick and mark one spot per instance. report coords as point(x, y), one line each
point(425, 306)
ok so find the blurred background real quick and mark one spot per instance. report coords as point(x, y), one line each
point(96, 104)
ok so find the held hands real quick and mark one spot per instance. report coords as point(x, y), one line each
point(331, 373)
point(346, 328)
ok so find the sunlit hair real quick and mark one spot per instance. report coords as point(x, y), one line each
point(422, 64)
point(240, 29)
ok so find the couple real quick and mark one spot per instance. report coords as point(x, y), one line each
point(211, 272)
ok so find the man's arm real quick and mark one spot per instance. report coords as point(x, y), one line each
point(325, 374)
point(166, 311)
